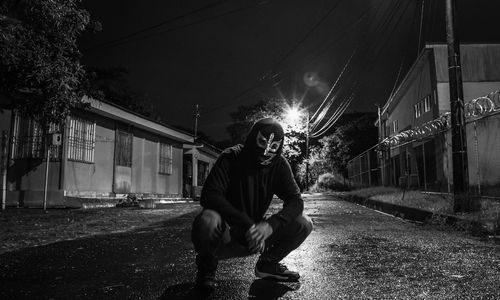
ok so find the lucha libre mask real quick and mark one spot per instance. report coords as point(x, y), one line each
point(270, 146)
point(264, 142)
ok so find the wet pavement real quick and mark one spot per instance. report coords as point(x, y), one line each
point(352, 253)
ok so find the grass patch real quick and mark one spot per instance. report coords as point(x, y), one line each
point(374, 191)
point(488, 213)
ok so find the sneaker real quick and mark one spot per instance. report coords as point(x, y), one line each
point(275, 271)
point(206, 281)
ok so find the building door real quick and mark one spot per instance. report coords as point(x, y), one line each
point(123, 162)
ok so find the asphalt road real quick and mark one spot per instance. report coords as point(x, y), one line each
point(352, 253)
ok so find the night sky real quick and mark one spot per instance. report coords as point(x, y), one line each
point(222, 54)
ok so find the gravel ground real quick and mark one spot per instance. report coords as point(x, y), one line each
point(20, 228)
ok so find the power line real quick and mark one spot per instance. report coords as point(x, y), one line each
point(295, 47)
point(343, 106)
point(134, 36)
point(308, 33)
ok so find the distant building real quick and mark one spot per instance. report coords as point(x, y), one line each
point(423, 96)
point(107, 152)
point(198, 161)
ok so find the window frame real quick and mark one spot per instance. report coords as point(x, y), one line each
point(28, 139)
point(427, 104)
point(165, 159)
point(81, 140)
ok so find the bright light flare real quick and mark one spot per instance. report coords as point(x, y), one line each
point(293, 115)
point(294, 118)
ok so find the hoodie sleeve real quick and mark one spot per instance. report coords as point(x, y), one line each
point(287, 190)
point(215, 189)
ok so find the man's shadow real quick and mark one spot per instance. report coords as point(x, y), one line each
point(260, 289)
point(263, 289)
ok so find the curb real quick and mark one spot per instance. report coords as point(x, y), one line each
point(91, 203)
point(415, 214)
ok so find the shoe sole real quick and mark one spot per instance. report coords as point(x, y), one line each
point(275, 277)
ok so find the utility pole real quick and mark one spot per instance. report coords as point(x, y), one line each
point(458, 139)
point(196, 116)
point(380, 153)
point(45, 187)
point(307, 149)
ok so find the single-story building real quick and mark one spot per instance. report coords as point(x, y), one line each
point(105, 152)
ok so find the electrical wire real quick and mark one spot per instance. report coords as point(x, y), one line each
point(308, 33)
point(421, 24)
point(294, 48)
point(348, 100)
point(318, 115)
point(133, 37)
point(335, 117)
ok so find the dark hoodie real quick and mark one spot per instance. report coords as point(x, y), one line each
point(240, 188)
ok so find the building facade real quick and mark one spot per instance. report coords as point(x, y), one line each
point(105, 152)
point(422, 98)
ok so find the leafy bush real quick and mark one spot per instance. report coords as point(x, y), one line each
point(330, 182)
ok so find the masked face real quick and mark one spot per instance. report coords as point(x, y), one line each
point(269, 147)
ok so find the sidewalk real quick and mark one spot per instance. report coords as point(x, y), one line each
point(429, 208)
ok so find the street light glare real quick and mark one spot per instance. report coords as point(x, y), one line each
point(293, 115)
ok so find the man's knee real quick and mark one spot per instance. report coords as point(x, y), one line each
point(207, 220)
point(306, 225)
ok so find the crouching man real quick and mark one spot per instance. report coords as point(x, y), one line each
point(235, 198)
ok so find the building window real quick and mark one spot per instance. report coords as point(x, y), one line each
point(123, 148)
point(81, 140)
point(165, 161)
point(418, 110)
point(427, 104)
point(395, 126)
point(28, 139)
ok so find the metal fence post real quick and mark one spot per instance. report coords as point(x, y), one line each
point(3, 166)
point(423, 161)
point(478, 173)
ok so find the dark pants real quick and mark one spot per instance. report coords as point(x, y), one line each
point(214, 239)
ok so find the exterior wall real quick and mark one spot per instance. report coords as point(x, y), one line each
point(417, 85)
point(146, 178)
point(479, 62)
point(483, 146)
point(97, 179)
point(472, 90)
point(94, 179)
point(26, 180)
point(481, 76)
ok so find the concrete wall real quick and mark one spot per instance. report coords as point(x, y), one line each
point(483, 147)
point(479, 62)
point(472, 90)
point(145, 166)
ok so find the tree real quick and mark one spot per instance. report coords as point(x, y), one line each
point(330, 156)
point(39, 62)
point(353, 134)
point(112, 84)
